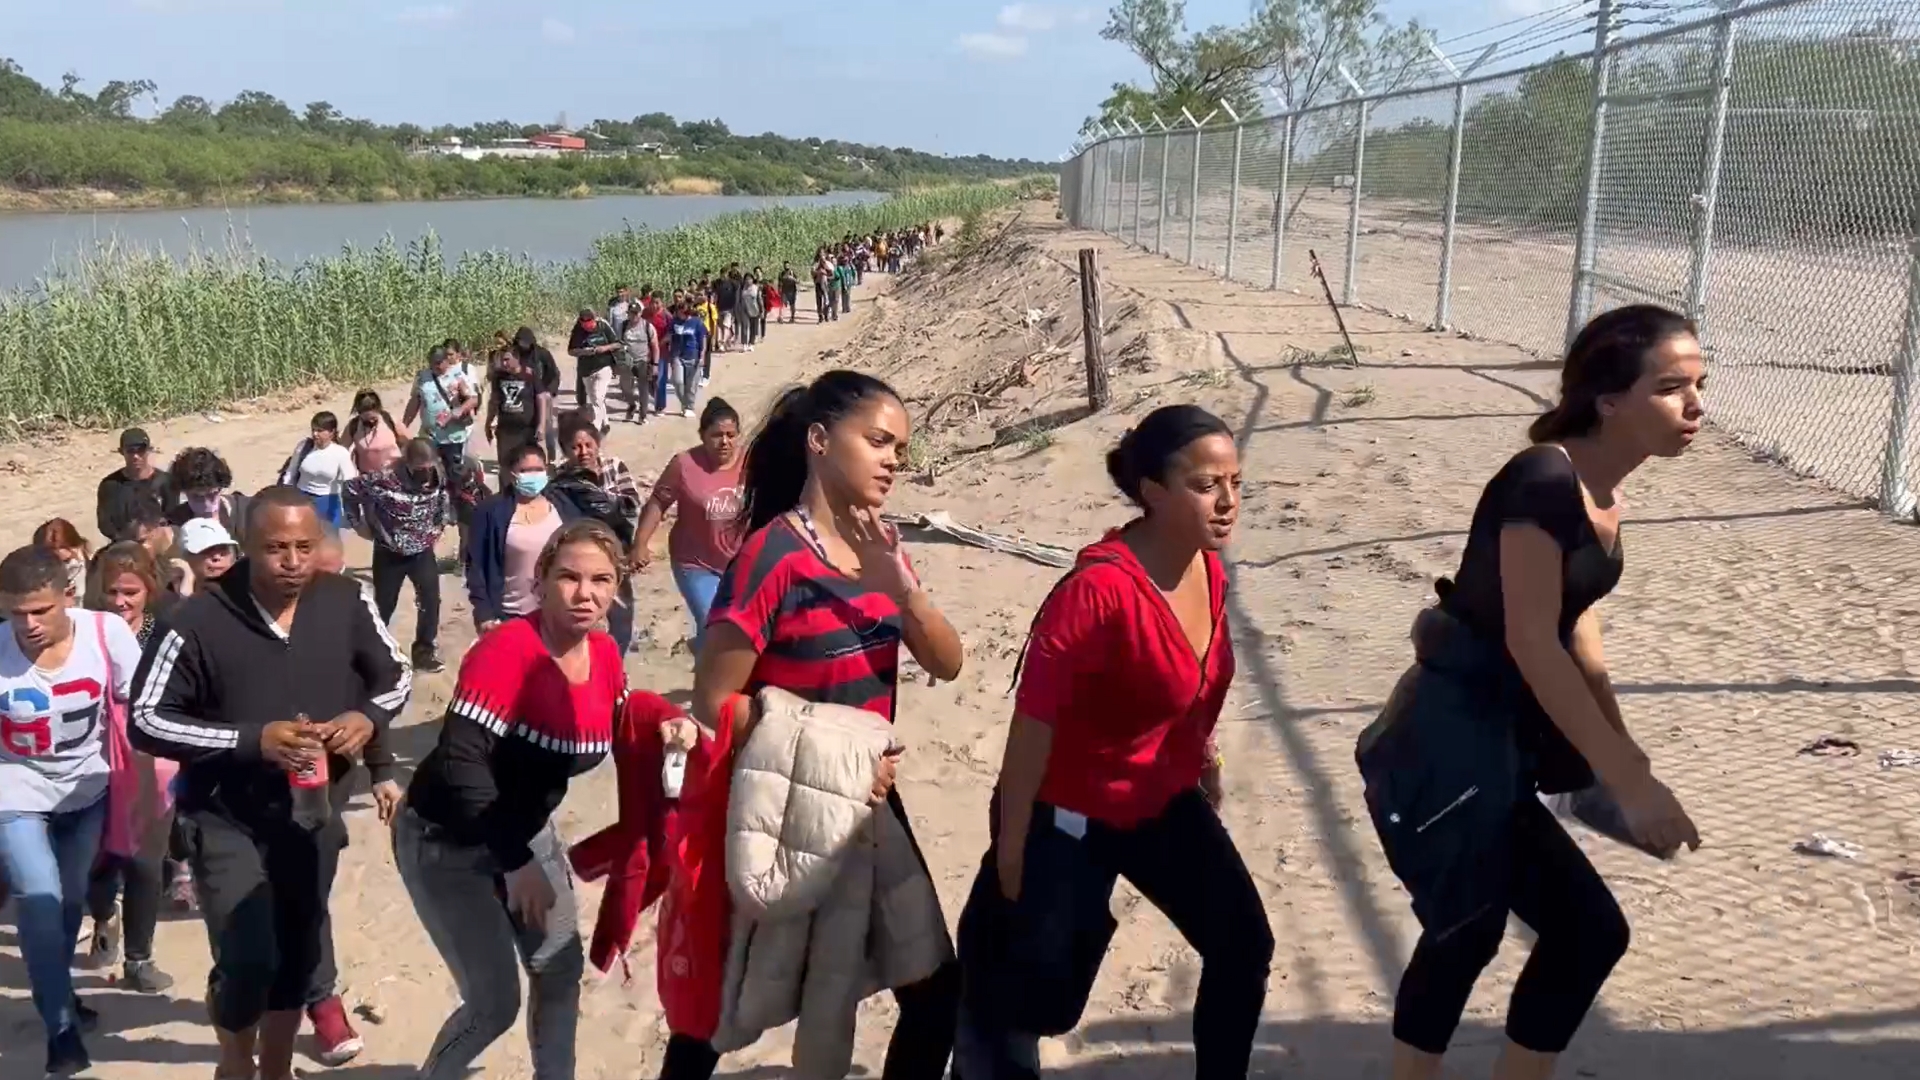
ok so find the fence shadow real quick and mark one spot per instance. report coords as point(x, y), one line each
point(1160, 1047)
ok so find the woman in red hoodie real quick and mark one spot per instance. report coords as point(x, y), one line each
point(1111, 771)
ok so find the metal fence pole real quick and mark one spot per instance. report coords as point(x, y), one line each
point(1139, 144)
point(1585, 253)
point(1709, 197)
point(1193, 199)
point(1280, 197)
point(1233, 205)
point(1443, 307)
point(1896, 497)
point(1104, 168)
point(1160, 226)
point(1348, 288)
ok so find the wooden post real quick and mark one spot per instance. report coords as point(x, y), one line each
point(1096, 330)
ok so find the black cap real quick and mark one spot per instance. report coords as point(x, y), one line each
point(134, 439)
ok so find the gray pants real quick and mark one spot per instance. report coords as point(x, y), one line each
point(686, 381)
point(458, 893)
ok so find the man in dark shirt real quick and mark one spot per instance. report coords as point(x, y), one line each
point(128, 487)
point(536, 361)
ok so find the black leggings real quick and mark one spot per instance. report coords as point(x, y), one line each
point(1184, 862)
point(1581, 936)
point(138, 882)
point(922, 1036)
point(423, 569)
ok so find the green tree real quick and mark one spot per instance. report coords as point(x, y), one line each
point(1295, 46)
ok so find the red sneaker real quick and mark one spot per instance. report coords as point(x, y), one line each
point(336, 1043)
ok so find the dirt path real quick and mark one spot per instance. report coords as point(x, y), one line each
point(1758, 614)
point(385, 959)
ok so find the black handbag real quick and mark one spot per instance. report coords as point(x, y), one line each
point(1443, 772)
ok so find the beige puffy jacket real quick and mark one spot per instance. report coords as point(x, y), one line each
point(830, 903)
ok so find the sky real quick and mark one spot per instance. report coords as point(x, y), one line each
point(954, 76)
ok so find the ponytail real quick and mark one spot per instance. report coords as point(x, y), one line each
point(1560, 423)
point(775, 469)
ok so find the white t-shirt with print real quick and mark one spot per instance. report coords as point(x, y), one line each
point(53, 757)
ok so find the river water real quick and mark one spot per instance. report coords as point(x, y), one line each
point(548, 230)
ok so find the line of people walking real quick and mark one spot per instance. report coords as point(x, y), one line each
point(229, 682)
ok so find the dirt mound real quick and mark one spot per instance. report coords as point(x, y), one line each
point(985, 341)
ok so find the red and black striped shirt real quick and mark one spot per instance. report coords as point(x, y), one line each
point(821, 635)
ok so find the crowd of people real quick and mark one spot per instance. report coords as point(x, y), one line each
point(185, 708)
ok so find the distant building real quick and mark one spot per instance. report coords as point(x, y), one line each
point(559, 140)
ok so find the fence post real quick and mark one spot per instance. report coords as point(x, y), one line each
point(1709, 196)
point(1280, 197)
point(1585, 254)
point(1443, 310)
point(1233, 207)
point(1094, 330)
point(1193, 198)
point(1139, 187)
point(1348, 290)
point(1896, 497)
point(1160, 226)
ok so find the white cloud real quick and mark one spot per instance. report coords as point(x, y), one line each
point(992, 46)
point(428, 13)
point(556, 31)
point(1031, 17)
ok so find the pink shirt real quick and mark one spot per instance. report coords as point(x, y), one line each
point(524, 544)
point(377, 448)
point(705, 533)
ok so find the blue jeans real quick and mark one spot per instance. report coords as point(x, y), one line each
point(47, 858)
point(329, 508)
point(697, 586)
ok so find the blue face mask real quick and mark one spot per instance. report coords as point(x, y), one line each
point(530, 484)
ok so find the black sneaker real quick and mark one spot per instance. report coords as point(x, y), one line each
point(85, 1016)
point(427, 662)
point(143, 977)
point(66, 1054)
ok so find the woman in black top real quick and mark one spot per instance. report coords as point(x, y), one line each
point(1543, 548)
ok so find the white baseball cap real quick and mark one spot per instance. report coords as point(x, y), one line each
point(201, 535)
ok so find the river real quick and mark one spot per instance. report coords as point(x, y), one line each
point(549, 230)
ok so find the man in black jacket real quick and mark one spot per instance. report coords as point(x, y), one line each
point(274, 669)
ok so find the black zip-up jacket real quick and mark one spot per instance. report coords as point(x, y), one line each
point(218, 671)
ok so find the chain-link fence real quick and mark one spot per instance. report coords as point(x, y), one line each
point(1757, 169)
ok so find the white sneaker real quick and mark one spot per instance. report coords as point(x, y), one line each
point(687, 412)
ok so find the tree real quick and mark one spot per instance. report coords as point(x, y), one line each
point(321, 116)
point(115, 100)
point(256, 110)
point(1295, 46)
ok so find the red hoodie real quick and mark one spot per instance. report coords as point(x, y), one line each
point(1110, 670)
point(632, 855)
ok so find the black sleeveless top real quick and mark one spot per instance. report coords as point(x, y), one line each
point(1537, 486)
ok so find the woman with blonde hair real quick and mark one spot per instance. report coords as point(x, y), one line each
point(475, 842)
point(125, 582)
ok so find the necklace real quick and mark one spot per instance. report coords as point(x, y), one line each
point(859, 626)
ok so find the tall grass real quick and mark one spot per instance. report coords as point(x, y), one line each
point(125, 336)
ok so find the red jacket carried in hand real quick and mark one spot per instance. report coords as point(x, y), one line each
point(630, 854)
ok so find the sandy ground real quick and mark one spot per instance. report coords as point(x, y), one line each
point(1759, 612)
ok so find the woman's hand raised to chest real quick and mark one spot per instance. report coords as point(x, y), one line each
point(883, 563)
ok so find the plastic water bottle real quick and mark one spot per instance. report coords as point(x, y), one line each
point(312, 804)
point(673, 772)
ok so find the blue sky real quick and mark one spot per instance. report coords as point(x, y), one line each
point(953, 76)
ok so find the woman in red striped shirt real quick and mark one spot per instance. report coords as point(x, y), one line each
point(818, 602)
